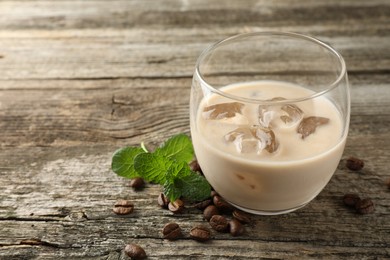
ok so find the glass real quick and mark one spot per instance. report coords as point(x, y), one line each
point(269, 116)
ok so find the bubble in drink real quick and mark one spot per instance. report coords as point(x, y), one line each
point(223, 110)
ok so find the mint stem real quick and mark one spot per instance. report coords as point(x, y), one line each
point(144, 147)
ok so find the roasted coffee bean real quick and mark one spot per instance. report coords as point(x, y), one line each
point(219, 223)
point(123, 207)
point(203, 204)
point(351, 199)
point(172, 231)
point(137, 183)
point(200, 233)
point(176, 207)
point(162, 201)
point(365, 206)
point(236, 228)
point(213, 193)
point(135, 252)
point(354, 164)
point(221, 204)
point(241, 216)
point(194, 166)
point(210, 211)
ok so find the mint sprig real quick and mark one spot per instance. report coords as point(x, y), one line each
point(167, 166)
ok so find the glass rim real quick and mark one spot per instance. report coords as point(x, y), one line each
point(214, 46)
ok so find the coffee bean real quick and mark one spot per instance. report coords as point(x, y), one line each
point(219, 223)
point(135, 252)
point(351, 199)
point(171, 231)
point(236, 228)
point(203, 204)
point(354, 164)
point(123, 207)
point(210, 211)
point(241, 216)
point(194, 166)
point(162, 201)
point(388, 183)
point(200, 233)
point(137, 183)
point(213, 193)
point(221, 204)
point(177, 206)
point(365, 206)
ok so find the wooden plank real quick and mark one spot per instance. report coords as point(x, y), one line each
point(24, 58)
point(129, 14)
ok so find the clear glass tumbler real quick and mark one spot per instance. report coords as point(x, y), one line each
point(269, 116)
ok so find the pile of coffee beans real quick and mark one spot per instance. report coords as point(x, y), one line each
point(222, 217)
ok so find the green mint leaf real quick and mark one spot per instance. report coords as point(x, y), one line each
point(177, 171)
point(171, 191)
point(123, 161)
point(152, 167)
point(178, 147)
point(194, 187)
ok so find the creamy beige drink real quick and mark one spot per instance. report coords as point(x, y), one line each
point(267, 158)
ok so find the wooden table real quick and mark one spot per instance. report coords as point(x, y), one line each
point(79, 79)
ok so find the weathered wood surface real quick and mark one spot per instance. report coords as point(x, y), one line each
point(79, 79)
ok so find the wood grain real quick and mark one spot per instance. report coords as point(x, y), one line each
point(80, 79)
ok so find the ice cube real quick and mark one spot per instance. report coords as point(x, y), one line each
point(266, 137)
point(242, 132)
point(222, 110)
point(253, 139)
point(289, 114)
point(294, 114)
point(309, 124)
point(243, 140)
point(266, 115)
point(247, 145)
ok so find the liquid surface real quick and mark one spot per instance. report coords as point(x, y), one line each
point(262, 158)
point(291, 145)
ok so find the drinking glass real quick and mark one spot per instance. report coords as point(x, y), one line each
point(269, 115)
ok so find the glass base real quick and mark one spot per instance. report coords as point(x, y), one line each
point(268, 212)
